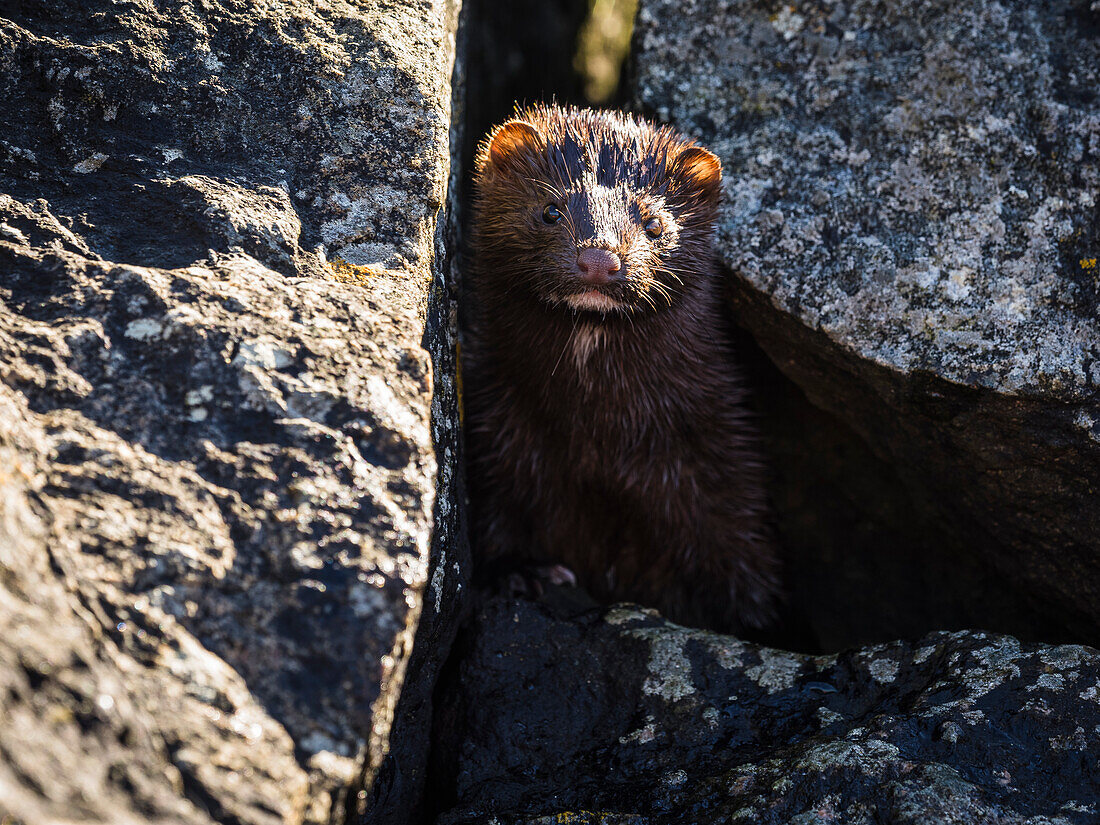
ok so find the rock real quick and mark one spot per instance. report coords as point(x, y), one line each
point(615, 715)
point(911, 218)
point(226, 373)
point(393, 792)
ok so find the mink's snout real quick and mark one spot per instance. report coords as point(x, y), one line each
point(599, 266)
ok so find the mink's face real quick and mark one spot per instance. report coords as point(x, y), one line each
point(593, 248)
point(595, 219)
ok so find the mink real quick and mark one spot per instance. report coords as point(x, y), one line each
point(607, 426)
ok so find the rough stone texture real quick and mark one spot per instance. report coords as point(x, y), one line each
point(216, 447)
point(394, 792)
point(613, 715)
point(911, 216)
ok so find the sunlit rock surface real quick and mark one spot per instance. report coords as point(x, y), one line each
point(222, 291)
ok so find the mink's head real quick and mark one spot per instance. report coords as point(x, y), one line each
point(594, 211)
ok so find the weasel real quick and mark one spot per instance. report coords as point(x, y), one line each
point(606, 424)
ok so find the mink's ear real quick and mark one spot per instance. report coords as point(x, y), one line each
point(699, 169)
point(508, 143)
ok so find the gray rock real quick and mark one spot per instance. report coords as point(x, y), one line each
point(565, 713)
point(911, 216)
point(394, 792)
point(222, 290)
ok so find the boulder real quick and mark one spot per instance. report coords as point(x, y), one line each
point(912, 227)
point(228, 429)
point(561, 712)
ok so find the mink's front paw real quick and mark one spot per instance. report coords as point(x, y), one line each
point(531, 580)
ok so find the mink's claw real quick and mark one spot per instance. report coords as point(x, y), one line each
point(531, 581)
point(557, 574)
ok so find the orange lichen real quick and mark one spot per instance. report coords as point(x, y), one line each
point(353, 273)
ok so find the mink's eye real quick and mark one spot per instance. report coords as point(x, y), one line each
point(551, 213)
point(654, 228)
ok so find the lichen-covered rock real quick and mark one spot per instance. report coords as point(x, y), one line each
point(912, 220)
point(222, 291)
point(572, 714)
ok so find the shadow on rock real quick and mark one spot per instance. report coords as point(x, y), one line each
point(615, 715)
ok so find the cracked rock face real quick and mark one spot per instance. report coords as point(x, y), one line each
point(912, 222)
point(221, 295)
point(615, 715)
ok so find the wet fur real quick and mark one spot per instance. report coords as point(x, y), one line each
point(617, 444)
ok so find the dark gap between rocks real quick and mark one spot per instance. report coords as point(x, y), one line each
point(866, 562)
point(515, 53)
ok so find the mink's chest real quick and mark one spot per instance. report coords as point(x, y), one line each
point(609, 405)
point(593, 412)
point(606, 442)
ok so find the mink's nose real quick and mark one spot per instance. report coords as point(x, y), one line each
point(598, 266)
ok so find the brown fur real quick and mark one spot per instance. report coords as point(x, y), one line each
point(616, 444)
